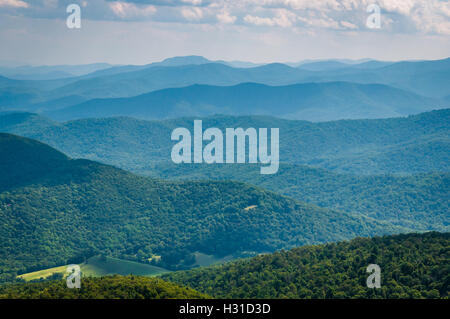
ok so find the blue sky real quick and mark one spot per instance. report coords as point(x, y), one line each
point(143, 31)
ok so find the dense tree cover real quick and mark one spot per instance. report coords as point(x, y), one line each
point(111, 287)
point(26, 161)
point(74, 209)
point(414, 144)
point(418, 202)
point(412, 266)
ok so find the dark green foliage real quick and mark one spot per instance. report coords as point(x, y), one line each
point(418, 202)
point(412, 266)
point(394, 145)
point(113, 287)
point(23, 160)
point(79, 208)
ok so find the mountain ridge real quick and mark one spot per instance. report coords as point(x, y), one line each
point(412, 144)
point(425, 78)
point(306, 101)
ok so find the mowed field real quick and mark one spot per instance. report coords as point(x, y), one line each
point(97, 266)
point(43, 273)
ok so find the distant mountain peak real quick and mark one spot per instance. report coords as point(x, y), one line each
point(184, 60)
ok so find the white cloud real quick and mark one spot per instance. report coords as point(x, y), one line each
point(283, 18)
point(130, 10)
point(13, 4)
point(258, 20)
point(403, 16)
point(192, 14)
point(225, 17)
point(397, 16)
point(44, 41)
point(403, 7)
point(432, 17)
point(326, 23)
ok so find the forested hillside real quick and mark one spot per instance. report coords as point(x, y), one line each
point(114, 287)
point(418, 202)
point(412, 266)
point(413, 144)
point(74, 209)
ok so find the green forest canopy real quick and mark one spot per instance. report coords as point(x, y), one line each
point(414, 144)
point(111, 287)
point(412, 266)
point(59, 210)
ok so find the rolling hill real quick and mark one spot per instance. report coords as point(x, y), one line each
point(418, 202)
point(174, 61)
point(333, 65)
point(98, 266)
point(427, 78)
point(127, 84)
point(59, 211)
point(308, 101)
point(415, 144)
point(412, 266)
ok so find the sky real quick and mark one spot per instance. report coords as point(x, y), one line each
point(143, 31)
